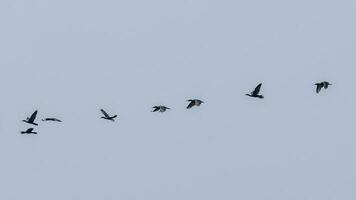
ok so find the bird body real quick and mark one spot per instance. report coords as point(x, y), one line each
point(160, 108)
point(321, 85)
point(31, 120)
point(28, 131)
point(194, 102)
point(256, 92)
point(107, 116)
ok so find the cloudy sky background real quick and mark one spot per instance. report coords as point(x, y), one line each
point(70, 58)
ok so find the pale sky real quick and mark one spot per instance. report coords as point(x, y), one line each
point(69, 58)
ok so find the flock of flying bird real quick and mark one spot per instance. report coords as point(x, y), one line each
point(192, 102)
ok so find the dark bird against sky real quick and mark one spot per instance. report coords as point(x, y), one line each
point(256, 92)
point(321, 85)
point(107, 116)
point(160, 108)
point(52, 119)
point(31, 120)
point(194, 102)
point(28, 131)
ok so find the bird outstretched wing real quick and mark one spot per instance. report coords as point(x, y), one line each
point(155, 108)
point(33, 117)
point(318, 87)
point(257, 89)
point(326, 85)
point(191, 104)
point(52, 119)
point(104, 113)
point(57, 120)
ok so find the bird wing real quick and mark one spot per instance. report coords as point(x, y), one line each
point(318, 87)
point(33, 117)
point(104, 113)
point(191, 104)
point(326, 85)
point(155, 108)
point(54, 119)
point(29, 130)
point(257, 89)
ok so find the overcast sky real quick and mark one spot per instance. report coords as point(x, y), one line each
point(69, 58)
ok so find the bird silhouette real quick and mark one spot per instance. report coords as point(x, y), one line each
point(321, 85)
point(52, 119)
point(194, 102)
point(31, 120)
point(107, 116)
point(256, 92)
point(159, 108)
point(28, 131)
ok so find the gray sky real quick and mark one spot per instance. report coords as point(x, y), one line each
point(70, 58)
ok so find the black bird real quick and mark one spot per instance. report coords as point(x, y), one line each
point(194, 102)
point(107, 116)
point(256, 92)
point(321, 85)
point(52, 119)
point(31, 120)
point(28, 131)
point(159, 108)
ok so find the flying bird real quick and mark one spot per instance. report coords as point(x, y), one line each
point(107, 116)
point(28, 131)
point(321, 85)
point(194, 102)
point(31, 120)
point(159, 108)
point(52, 119)
point(256, 92)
